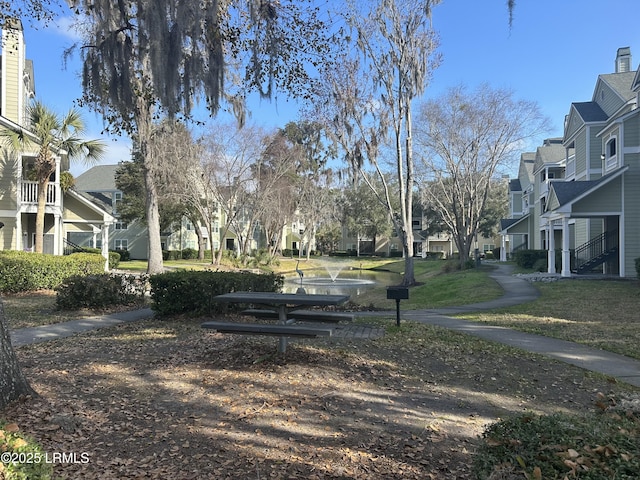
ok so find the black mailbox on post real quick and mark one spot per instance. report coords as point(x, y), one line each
point(397, 294)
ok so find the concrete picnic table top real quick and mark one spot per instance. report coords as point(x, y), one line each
point(279, 299)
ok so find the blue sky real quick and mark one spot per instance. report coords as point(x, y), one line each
point(552, 55)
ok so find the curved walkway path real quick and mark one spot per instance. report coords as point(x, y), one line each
point(516, 291)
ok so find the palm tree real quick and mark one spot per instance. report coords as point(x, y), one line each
point(51, 135)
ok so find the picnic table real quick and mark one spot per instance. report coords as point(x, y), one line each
point(283, 304)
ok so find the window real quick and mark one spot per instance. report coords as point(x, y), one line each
point(611, 148)
point(122, 245)
point(117, 197)
point(122, 225)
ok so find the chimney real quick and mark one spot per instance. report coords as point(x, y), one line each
point(623, 60)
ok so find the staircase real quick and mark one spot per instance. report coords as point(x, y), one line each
point(596, 251)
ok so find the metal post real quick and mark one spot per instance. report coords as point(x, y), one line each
point(398, 312)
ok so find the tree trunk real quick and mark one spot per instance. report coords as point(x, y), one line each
point(13, 384)
point(43, 185)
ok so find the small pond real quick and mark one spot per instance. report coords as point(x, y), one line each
point(347, 282)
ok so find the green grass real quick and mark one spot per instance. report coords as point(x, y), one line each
point(601, 314)
point(436, 289)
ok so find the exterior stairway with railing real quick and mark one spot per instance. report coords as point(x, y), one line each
point(596, 251)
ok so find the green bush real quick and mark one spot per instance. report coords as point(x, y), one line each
point(114, 256)
point(189, 254)
point(589, 447)
point(528, 258)
point(540, 265)
point(12, 441)
point(99, 291)
point(125, 255)
point(25, 271)
point(193, 291)
point(637, 261)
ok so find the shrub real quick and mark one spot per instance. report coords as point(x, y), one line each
point(189, 254)
point(193, 291)
point(637, 261)
point(99, 291)
point(528, 258)
point(540, 265)
point(125, 255)
point(13, 442)
point(24, 271)
point(114, 257)
point(561, 446)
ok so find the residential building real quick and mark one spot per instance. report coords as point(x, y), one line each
point(580, 201)
point(99, 185)
point(66, 212)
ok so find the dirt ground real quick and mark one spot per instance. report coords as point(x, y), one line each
point(168, 400)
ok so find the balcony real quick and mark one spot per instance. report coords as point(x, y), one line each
point(29, 193)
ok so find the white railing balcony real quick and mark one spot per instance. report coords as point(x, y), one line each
point(570, 170)
point(544, 187)
point(29, 193)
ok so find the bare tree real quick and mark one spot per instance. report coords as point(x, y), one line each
point(372, 93)
point(145, 57)
point(464, 139)
point(230, 155)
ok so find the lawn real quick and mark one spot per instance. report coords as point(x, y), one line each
point(598, 313)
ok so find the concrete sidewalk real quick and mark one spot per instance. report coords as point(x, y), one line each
point(44, 333)
point(516, 291)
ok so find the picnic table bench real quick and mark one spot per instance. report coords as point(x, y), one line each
point(282, 305)
point(303, 315)
point(262, 329)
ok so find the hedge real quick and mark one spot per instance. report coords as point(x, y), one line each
point(528, 258)
point(26, 271)
point(193, 291)
point(100, 291)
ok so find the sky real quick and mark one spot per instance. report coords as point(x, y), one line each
point(551, 54)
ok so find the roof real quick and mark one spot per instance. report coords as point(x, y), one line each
point(620, 82)
point(101, 178)
point(552, 153)
point(590, 112)
point(102, 200)
point(514, 185)
point(566, 192)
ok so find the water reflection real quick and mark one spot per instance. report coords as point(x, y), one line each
point(348, 282)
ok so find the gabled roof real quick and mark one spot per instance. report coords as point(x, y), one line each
point(102, 200)
point(621, 83)
point(107, 217)
point(565, 193)
point(590, 112)
point(507, 223)
point(101, 178)
point(549, 153)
